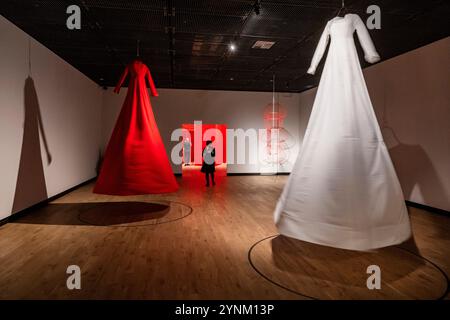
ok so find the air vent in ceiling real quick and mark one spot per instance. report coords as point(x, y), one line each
point(263, 44)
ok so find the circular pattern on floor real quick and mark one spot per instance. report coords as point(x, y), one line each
point(320, 272)
point(133, 213)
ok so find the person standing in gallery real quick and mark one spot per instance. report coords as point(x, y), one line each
point(208, 166)
point(187, 151)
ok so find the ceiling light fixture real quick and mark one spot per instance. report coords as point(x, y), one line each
point(260, 44)
point(232, 47)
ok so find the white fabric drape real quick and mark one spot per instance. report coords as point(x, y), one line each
point(343, 191)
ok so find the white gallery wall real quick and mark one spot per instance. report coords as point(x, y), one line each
point(411, 97)
point(50, 122)
point(237, 109)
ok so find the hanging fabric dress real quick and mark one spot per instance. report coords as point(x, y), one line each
point(343, 190)
point(135, 161)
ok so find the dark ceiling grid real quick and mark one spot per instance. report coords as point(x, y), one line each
point(125, 23)
point(97, 28)
point(404, 26)
point(197, 56)
point(248, 12)
point(45, 20)
point(169, 12)
point(432, 24)
point(394, 17)
point(211, 26)
point(309, 45)
point(283, 14)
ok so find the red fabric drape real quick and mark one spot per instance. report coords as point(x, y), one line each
point(135, 161)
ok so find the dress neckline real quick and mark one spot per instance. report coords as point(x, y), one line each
point(337, 19)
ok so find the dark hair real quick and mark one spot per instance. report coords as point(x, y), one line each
point(208, 142)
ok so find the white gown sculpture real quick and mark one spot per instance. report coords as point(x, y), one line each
point(343, 190)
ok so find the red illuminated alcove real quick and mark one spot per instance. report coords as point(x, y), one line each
point(198, 138)
point(221, 154)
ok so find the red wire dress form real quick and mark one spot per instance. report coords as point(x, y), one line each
point(135, 160)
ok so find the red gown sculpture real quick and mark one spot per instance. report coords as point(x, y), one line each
point(135, 160)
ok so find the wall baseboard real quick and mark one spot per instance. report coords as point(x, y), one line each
point(256, 174)
point(23, 212)
point(427, 208)
point(247, 174)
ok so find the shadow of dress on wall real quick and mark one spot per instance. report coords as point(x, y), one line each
point(31, 187)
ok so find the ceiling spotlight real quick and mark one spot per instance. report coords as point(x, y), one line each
point(232, 47)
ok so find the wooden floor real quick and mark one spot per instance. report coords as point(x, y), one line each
point(165, 250)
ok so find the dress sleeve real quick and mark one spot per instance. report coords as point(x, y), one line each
point(320, 49)
point(152, 84)
point(121, 80)
point(370, 53)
